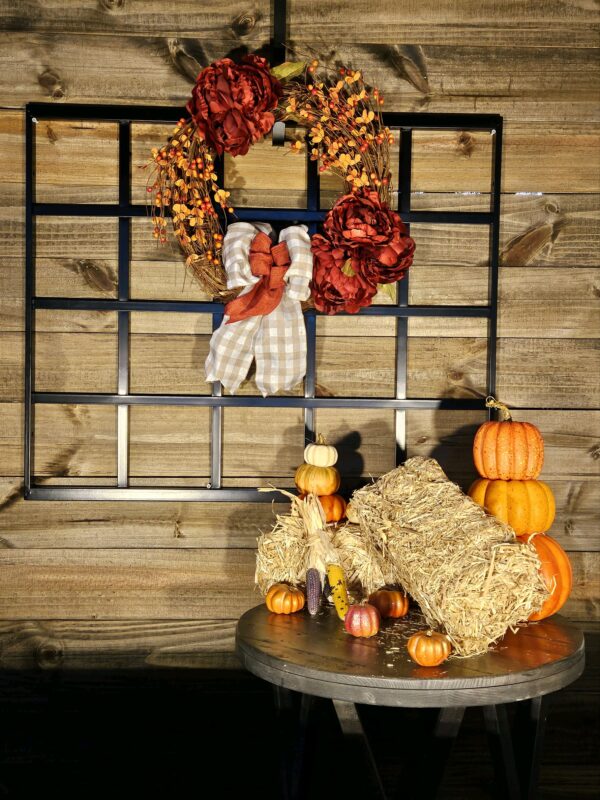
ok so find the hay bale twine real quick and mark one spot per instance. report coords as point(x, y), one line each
point(470, 575)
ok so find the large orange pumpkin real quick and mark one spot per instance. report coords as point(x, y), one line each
point(556, 572)
point(508, 450)
point(317, 480)
point(527, 506)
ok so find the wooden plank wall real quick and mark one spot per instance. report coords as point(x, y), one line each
point(139, 576)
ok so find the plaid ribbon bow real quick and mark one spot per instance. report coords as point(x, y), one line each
point(265, 321)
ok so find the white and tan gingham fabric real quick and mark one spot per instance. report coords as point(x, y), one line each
point(277, 340)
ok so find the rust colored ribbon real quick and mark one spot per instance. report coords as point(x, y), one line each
point(270, 262)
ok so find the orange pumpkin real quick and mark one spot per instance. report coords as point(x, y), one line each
point(390, 604)
point(317, 480)
point(556, 572)
point(527, 506)
point(334, 507)
point(284, 599)
point(428, 649)
point(362, 620)
point(508, 450)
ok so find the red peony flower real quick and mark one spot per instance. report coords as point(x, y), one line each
point(374, 233)
point(390, 262)
point(337, 284)
point(232, 103)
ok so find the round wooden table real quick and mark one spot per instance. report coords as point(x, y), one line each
point(314, 656)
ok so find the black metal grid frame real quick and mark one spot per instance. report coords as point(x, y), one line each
point(124, 210)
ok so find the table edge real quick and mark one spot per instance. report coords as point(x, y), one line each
point(436, 693)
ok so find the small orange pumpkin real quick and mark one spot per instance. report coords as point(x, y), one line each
point(362, 620)
point(317, 480)
point(527, 506)
point(284, 599)
point(391, 604)
point(556, 571)
point(428, 649)
point(334, 507)
point(508, 450)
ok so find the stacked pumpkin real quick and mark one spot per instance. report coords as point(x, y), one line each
point(319, 475)
point(509, 456)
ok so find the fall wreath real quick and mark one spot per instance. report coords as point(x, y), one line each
point(363, 243)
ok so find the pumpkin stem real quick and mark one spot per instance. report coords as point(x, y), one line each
point(505, 415)
point(320, 439)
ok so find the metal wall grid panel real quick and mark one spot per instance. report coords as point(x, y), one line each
point(125, 116)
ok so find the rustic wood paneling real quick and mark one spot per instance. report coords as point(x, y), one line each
point(538, 158)
point(570, 450)
point(124, 525)
point(553, 24)
point(129, 644)
point(80, 440)
point(549, 372)
point(79, 362)
point(431, 22)
point(153, 583)
point(544, 230)
point(191, 525)
point(133, 584)
point(228, 20)
point(584, 602)
point(532, 303)
point(512, 81)
point(71, 567)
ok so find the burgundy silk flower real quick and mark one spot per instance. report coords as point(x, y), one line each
point(333, 289)
point(232, 104)
point(375, 234)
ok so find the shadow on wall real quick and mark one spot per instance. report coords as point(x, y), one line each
point(349, 455)
point(453, 447)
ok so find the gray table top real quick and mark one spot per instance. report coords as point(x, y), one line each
point(315, 655)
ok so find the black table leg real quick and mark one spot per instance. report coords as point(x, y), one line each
point(423, 779)
point(359, 750)
point(293, 724)
point(300, 763)
point(528, 737)
point(501, 748)
point(286, 719)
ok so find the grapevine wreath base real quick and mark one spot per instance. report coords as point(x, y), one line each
point(363, 244)
point(469, 574)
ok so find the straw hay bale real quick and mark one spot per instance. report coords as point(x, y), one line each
point(467, 571)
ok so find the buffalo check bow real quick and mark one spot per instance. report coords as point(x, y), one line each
point(265, 322)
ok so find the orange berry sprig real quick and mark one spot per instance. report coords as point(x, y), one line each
point(184, 186)
point(345, 131)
